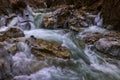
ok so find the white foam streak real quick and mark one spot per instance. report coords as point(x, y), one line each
point(100, 64)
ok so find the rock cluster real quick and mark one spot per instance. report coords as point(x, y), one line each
point(11, 45)
point(107, 42)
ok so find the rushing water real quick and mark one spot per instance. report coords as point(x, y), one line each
point(85, 64)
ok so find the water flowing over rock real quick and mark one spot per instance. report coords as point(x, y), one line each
point(66, 17)
point(5, 64)
point(58, 40)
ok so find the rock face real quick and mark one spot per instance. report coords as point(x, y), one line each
point(45, 49)
point(37, 3)
point(52, 3)
point(8, 6)
point(109, 46)
point(91, 38)
point(4, 6)
point(111, 13)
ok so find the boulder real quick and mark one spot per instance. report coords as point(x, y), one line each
point(91, 38)
point(110, 46)
point(14, 33)
point(11, 33)
point(43, 49)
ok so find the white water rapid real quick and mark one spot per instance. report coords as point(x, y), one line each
point(85, 64)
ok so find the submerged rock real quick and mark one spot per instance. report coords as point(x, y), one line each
point(109, 45)
point(12, 49)
point(5, 64)
point(45, 49)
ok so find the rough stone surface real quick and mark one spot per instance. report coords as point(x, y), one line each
point(11, 33)
point(46, 49)
point(14, 33)
point(109, 46)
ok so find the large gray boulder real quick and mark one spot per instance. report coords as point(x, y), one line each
point(110, 46)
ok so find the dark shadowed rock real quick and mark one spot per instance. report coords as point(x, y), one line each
point(111, 13)
point(18, 5)
point(4, 6)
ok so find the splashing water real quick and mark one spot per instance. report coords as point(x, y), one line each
point(85, 63)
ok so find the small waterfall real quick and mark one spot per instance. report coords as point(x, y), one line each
point(98, 20)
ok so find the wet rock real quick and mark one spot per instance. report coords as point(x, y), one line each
point(5, 64)
point(49, 22)
point(45, 49)
point(14, 33)
point(11, 33)
point(91, 38)
point(1, 37)
point(66, 17)
point(12, 49)
point(109, 46)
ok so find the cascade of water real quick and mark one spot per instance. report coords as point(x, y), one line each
point(85, 64)
point(98, 20)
